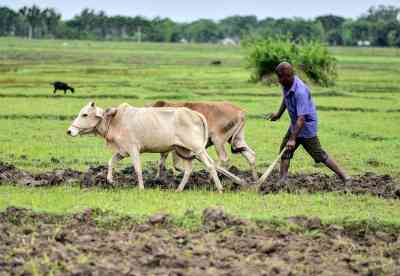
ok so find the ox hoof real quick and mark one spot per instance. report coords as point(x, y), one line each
point(178, 190)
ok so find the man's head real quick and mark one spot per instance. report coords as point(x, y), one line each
point(285, 74)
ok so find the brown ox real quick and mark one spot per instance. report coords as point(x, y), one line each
point(225, 125)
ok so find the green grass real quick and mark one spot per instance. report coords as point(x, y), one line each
point(330, 207)
point(33, 122)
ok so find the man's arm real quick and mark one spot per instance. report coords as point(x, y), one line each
point(277, 115)
point(297, 128)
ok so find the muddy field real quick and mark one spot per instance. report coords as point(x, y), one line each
point(89, 243)
point(94, 242)
point(368, 183)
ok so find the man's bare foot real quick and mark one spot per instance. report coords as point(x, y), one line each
point(347, 180)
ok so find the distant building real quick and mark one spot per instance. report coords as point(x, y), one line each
point(363, 43)
point(229, 41)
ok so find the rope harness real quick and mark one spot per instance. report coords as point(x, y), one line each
point(87, 130)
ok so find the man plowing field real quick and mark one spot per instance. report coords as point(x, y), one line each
point(303, 127)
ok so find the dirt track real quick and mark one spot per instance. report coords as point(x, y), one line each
point(88, 243)
point(379, 185)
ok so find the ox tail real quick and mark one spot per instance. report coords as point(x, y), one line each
point(238, 128)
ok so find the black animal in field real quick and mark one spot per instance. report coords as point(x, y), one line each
point(59, 85)
point(215, 62)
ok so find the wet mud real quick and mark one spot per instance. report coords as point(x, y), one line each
point(368, 183)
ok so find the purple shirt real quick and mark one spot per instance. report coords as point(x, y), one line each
point(298, 102)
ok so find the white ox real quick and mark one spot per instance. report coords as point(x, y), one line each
point(130, 131)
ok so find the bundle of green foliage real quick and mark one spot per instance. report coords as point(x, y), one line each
point(310, 58)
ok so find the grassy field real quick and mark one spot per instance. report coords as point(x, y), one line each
point(329, 207)
point(358, 117)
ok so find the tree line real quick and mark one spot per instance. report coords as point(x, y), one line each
point(378, 26)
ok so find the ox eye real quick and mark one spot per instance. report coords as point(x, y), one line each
point(84, 115)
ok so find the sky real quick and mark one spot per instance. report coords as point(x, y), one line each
point(190, 10)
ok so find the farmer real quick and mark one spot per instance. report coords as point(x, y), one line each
point(303, 128)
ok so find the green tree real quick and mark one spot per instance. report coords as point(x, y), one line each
point(382, 13)
point(85, 23)
point(331, 22)
point(347, 33)
point(51, 21)
point(360, 30)
point(8, 21)
point(393, 38)
point(33, 17)
point(203, 30)
point(297, 28)
point(383, 24)
point(333, 27)
point(138, 27)
point(238, 26)
point(163, 30)
point(379, 25)
point(118, 26)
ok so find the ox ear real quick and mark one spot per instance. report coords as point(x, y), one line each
point(110, 112)
point(92, 104)
point(99, 113)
